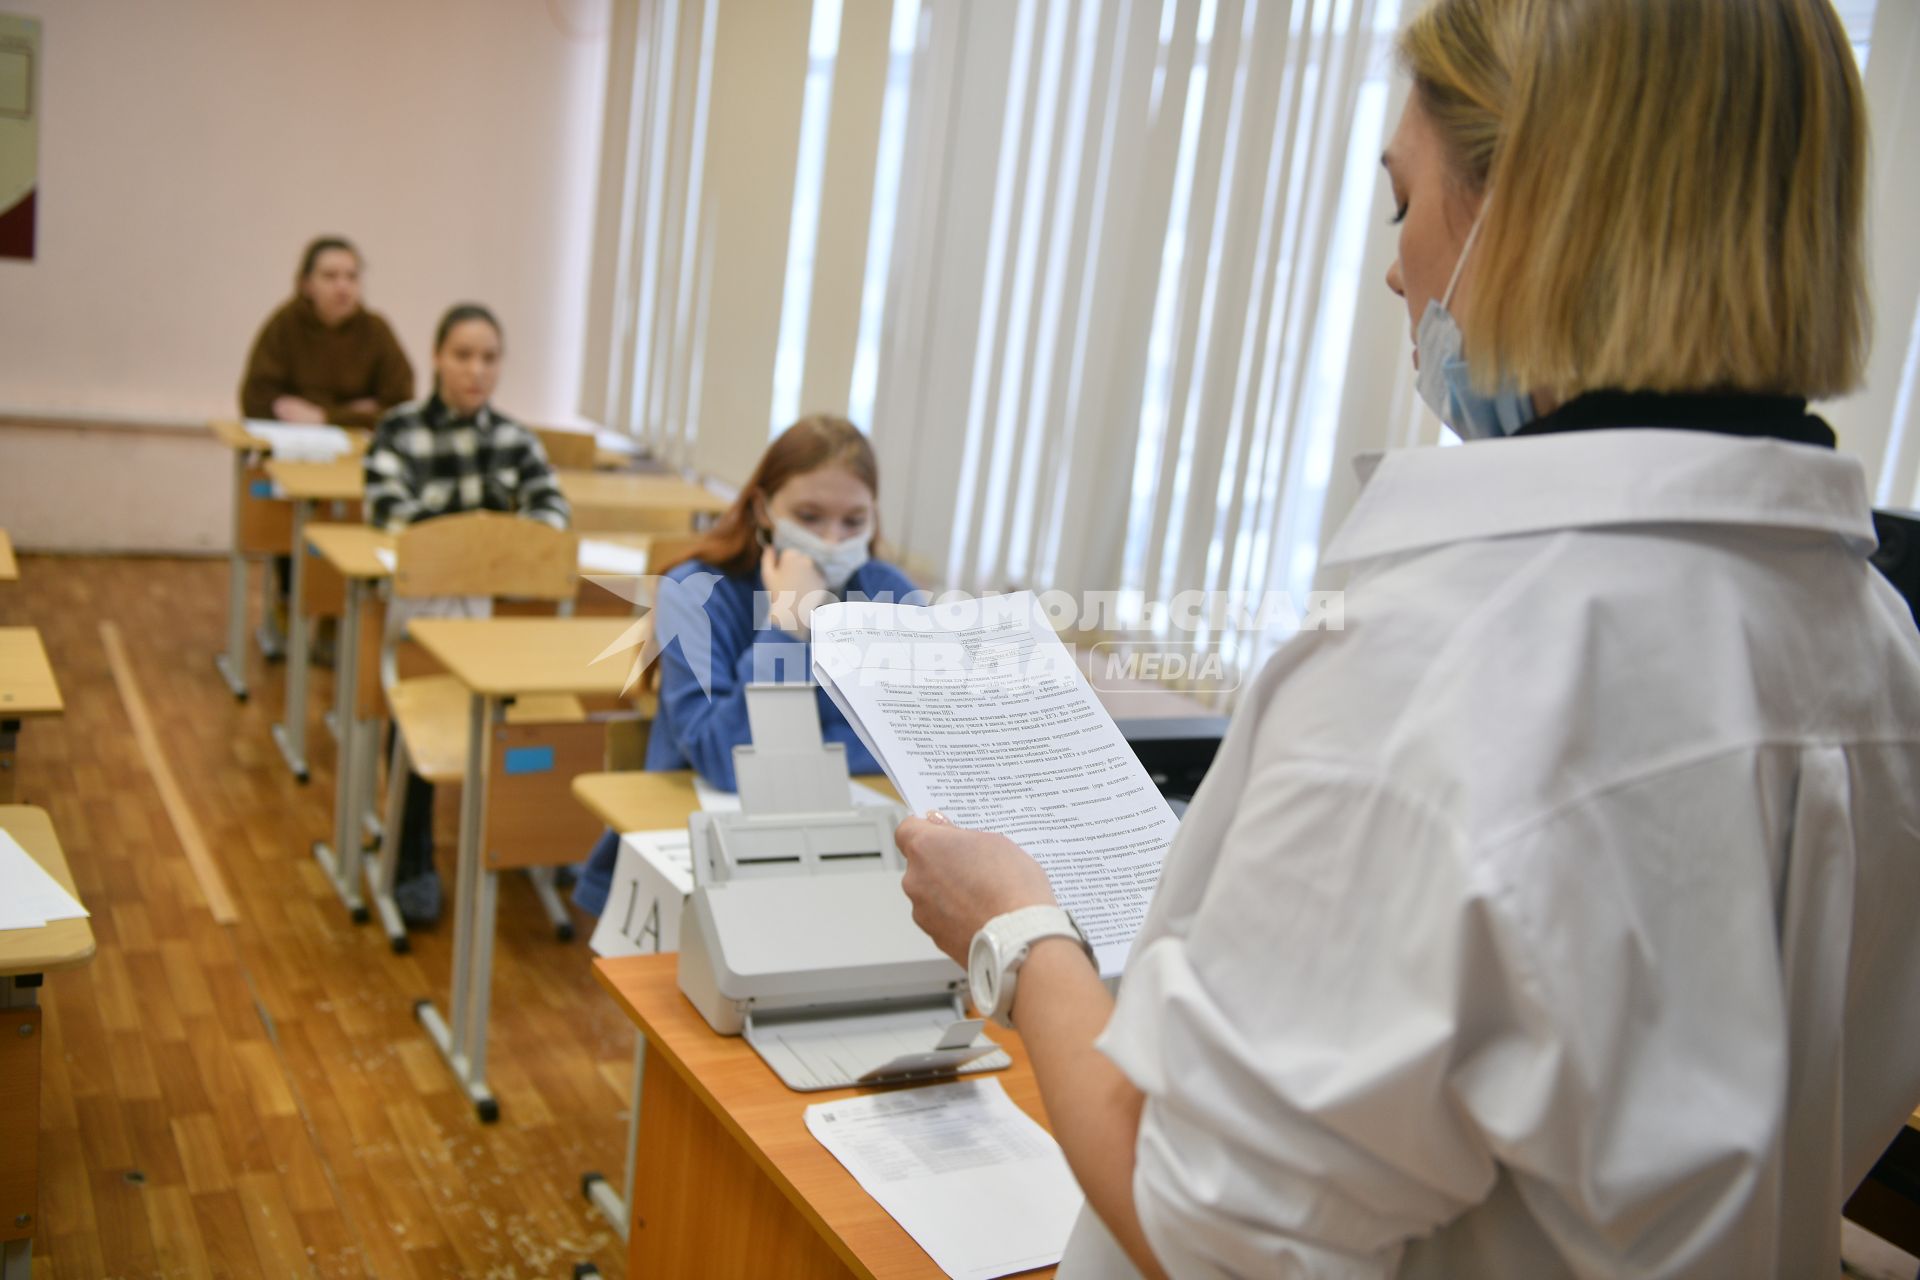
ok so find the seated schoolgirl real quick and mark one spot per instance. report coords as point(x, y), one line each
point(449, 453)
point(802, 531)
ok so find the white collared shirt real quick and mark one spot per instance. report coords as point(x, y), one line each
point(1555, 917)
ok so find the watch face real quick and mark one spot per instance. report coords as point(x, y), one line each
point(983, 974)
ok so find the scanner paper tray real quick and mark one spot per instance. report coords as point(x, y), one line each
point(839, 1047)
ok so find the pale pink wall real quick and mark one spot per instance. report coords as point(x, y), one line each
point(189, 148)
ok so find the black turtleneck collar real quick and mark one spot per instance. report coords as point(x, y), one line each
point(1730, 413)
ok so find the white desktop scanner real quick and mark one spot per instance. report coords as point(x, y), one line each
point(797, 934)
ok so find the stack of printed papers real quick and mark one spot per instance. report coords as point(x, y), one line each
point(292, 442)
point(975, 708)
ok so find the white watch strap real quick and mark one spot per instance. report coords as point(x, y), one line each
point(1014, 934)
point(1016, 931)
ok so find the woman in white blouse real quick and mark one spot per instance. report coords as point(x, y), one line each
point(1555, 916)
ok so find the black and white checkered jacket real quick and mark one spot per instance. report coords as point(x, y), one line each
point(424, 462)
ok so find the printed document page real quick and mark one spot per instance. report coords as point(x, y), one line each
point(975, 708)
point(969, 1175)
point(298, 443)
point(29, 897)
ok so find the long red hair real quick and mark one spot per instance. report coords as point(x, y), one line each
point(818, 440)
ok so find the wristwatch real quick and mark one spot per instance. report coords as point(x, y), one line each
point(1000, 948)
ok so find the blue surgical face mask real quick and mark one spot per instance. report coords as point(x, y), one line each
point(1443, 381)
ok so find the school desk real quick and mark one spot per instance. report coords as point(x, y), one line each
point(727, 1145)
point(262, 527)
point(644, 801)
point(635, 502)
point(354, 552)
point(362, 557)
point(27, 691)
point(27, 955)
point(305, 484)
point(498, 660)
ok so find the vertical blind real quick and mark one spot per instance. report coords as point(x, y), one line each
point(1116, 315)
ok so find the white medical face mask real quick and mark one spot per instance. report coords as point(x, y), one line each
point(1444, 382)
point(838, 561)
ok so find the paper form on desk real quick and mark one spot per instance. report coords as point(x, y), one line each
point(608, 558)
point(975, 708)
point(611, 558)
point(295, 442)
point(969, 1175)
point(616, 442)
point(29, 897)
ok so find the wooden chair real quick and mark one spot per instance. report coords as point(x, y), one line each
point(567, 450)
point(531, 819)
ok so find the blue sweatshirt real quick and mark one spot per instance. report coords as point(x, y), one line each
point(698, 727)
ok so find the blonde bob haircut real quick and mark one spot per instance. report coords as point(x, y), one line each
point(1675, 190)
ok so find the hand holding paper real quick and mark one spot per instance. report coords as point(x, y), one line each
point(960, 879)
point(976, 709)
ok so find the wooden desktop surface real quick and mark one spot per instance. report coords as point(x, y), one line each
point(352, 549)
point(507, 657)
point(27, 686)
point(233, 433)
point(9, 567)
point(341, 481)
point(637, 492)
point(656, 801)
point(59, 944)
point(766, 1118)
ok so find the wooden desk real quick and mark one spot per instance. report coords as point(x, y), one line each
point(352, 551)
point(9, 567)
point(355, 552)
point(305, 484)
point(612, 500)
point(730, 1181)
point(26, 955)
point(257, 531)
point(645, 801)
point(27, 690)
point(653, 801)
point(499, 659)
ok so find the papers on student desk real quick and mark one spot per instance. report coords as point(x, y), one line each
point(969, 1175)
point(29, 897)
point(611, 558)
point(292, 442)
point(975, 708)
point(596, 556)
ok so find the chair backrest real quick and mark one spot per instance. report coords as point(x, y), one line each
point(486, 553)
point(666, 549)
point(567, 450)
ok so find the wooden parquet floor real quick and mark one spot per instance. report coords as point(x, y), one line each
point(256, 1099)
